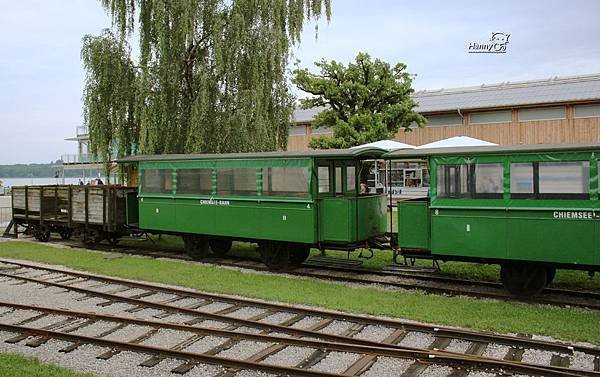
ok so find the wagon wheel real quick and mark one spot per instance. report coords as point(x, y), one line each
point(298, 254)
point(523, 279)
point(196, 246)
point(65, 233)
point(275, 255)
point(93, 237)
point(42, 234)
point(220, 246)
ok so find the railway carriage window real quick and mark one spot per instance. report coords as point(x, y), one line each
point(237, 181)
point(194, 181)
point(550, 180)
point(291, 182)
point(564, 179)
point(324, 184)
point(521, 179)
point(452, 181)
point(351, 179)
point(157, 181)
point(338, 180)
point(488, 181)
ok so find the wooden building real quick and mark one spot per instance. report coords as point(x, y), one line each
point(551, 111)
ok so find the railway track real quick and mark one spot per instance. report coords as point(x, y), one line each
point(255, 335)
point(430, 283)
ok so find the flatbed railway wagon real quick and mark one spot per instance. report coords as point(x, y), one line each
point(287, 202)
point(530, 209)
point(94, 213)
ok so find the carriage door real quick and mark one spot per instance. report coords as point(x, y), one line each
point(334, 205)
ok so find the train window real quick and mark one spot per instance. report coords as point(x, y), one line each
point(157, 181)
point(351, 179)
point(550, 180)
point(564, 179)
point(338, 180)
point(238, 181)
point(452, 181)
point(324, 183)
point(194, 181)
point(488, 181)
point(285, 182)
point(521, 179)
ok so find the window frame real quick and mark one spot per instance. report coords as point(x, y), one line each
point(536, 186)
point(212, 181)
point(143, 188)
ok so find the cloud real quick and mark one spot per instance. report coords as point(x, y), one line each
point(41, 77)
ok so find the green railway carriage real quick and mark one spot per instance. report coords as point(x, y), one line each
point(285, 201)
point(531, 209)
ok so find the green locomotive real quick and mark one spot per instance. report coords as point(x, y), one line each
point(531, 209)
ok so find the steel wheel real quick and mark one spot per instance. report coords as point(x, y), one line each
point(65, 234)
point(196, 246)
point(523, 279)
point(220, 246)
point(298, 254)
point(42, 235)
point(275, 255)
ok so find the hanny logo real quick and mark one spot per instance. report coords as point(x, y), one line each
point(496, 45)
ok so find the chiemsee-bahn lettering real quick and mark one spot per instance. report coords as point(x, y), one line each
point(579, 215)
point(214, 202)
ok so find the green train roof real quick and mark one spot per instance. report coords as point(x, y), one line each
point(491, 150)
point(321, 153)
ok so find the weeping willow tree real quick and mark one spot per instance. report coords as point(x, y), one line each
point(210, 76)
point(109, 96)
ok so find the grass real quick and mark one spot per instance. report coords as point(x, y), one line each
point(19, 366)
point(569, 324)
point(564, 278)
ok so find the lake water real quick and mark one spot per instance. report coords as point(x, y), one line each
point(9, 182)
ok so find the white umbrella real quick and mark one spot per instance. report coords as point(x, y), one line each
point(388, 145)
point(456, 141)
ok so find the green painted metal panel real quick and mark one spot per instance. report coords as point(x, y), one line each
point(336, 220)
point(413, 224)
point(292, 222)
point(131, 203)
point(157, 213)
point(550, 236)
point(469, 233)
point(352, 219)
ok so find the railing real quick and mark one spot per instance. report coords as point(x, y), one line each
point(5, 217)
point(82, 130)
point(83, 158)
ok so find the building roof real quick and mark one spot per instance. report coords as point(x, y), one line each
point(509, 94)
point(321, 153)
point(306, 115)
point(456, 141)
point(492, 149)
point(502, 95)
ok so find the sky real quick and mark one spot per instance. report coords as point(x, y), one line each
point(41, 75)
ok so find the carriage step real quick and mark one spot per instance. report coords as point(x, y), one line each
point(319, 260)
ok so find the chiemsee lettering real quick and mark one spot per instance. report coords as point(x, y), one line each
point(583, 215)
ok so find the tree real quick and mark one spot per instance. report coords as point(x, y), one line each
point(109, 96)
point(364, 102)
point(211, 75)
